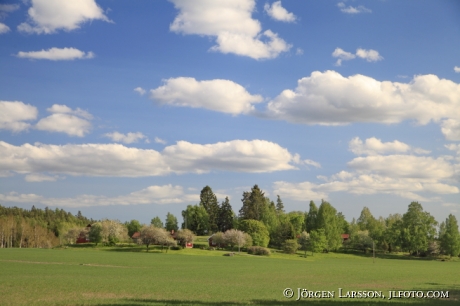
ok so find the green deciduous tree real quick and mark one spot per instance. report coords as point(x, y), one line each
point(312, 217)
point(133, 226)
point(290, 246)
point(297, 219)
point(419, 228)
point(196, 219)
point(157, 222)
point(450, 237)
point(393, 232)
point(318, 241)
point(257, 230)
point(95, 233)
point(329, 222)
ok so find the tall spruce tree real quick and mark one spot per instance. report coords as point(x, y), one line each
point(279, 205)
point(253, 204)
point(209, 201)
point(226, 216)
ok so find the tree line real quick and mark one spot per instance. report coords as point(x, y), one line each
point(36, 227)
point(320, 229)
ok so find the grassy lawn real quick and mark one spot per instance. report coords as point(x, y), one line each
point(130, 276)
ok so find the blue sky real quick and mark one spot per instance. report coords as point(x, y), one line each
point(127, 109)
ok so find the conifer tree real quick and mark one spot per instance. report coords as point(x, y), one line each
point(209, 201)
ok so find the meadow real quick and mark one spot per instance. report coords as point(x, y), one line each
point(131, 276)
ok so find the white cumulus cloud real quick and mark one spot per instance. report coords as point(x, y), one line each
point(353, 10)
point(56, 54)
point(65, 120)
point(49, 16)
point(140, 90)
point(342, 55)
point(278, 12)
point(407, 181)
point(14, 114)
point(451, 129)
point(119, 161)
point(374, 146)
point(230, 22)
point(368, 55)
point(404, 166)
point(328, 98)
point(166, 194)
point(126, 138)
point(217, 95)
point(4, 28)
point(457, 69)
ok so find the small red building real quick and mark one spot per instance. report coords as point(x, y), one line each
point(83, 237)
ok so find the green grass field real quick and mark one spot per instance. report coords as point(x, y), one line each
point(130, 276)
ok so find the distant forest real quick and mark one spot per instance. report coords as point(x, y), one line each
point(36, 228)
point(323, 227)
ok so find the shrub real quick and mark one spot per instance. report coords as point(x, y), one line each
point(176, 248)
point(290, 246)
point(257, 250)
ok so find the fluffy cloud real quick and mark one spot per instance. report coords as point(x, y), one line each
point(14, 113)
point(404, 175)
point(140, 90)
point(231, 23)
point(352, 10)
point(126, 138)
point(457, 69)
point(342, 56)
point(166, 194)
point(364, 184)
point(4, 28)
point(278, 12)
point(65, 120)
point(85, 159)
point(404, 166)
point(48, 16)
point(304, 191)
point(120, 161)
point(236, 155)
point(374, 146)
point(368, 55)
point(451, 129)
point(56, 54)
point(328, 98)
point(218, 95)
